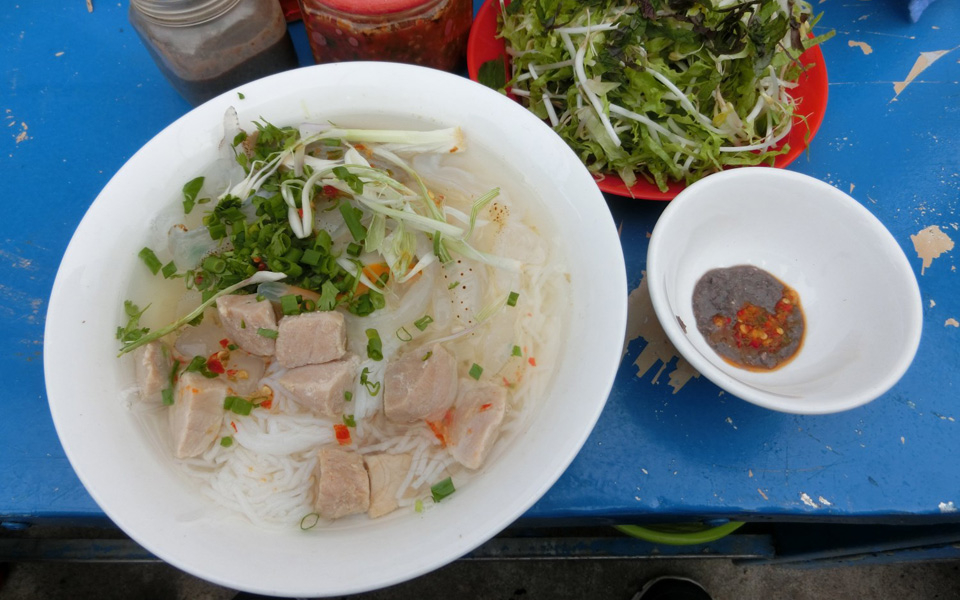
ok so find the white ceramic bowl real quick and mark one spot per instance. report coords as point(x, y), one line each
point(858, 291)
point(144, 496)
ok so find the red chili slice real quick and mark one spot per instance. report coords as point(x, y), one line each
point(342, 433)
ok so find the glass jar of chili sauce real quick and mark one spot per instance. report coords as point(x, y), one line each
point(431, 33)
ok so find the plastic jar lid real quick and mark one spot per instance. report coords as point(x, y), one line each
point(376, 7)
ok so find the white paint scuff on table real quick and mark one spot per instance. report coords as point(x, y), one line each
point(923, 62)
point(947, 507)
point(806, 499)
point(642, 323)
point(930, 243)
point(865, 47)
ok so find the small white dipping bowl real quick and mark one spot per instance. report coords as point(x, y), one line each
point(859, 295)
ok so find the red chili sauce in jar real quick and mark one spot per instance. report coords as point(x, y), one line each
point(431, 33)
point(750, 318)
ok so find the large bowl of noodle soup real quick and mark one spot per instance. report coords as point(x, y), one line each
point(194, 516)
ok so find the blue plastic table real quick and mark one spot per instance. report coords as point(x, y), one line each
point(79, 95)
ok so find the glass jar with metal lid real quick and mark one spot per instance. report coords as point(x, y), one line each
point(206, 47)
point(432, 33)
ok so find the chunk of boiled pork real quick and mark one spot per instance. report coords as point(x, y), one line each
point(196, 414)
point(242, 317)
point(153, 365)
point(387, 472)
point(311, 338)
point(420, 385)
point(476, 420)
point(321, 388)
point(343, 487)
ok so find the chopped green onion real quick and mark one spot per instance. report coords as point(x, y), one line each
point(268, 333)
point(243, 324)
point(309, 305)
point(442, 489)
point(372, 386)
point(349, 421)
point(354, 249)
point(348, 395)
point(351, 216)
point(418, 505)
point(232, 347)
point(228, 402)
point(374, 345)
point(214, 264)
point(226, 441)
point(512, 299)
point(423, 322)
point(290, 304)
point(403, 335)
point(151, 260)
point(427, 356)
point(309, 521)
point(217, 231)
point(311, 257)
point(167, 396)
point(475, 371)
point(453, 285)
point(516, 351)
point(239, 405)
point(241, 96)
point(169, 270)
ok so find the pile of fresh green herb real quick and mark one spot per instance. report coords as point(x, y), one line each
point(663, 89)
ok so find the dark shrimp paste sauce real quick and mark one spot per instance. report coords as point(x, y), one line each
point(749, 317)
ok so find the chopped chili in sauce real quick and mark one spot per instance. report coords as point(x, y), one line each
point(749, 317)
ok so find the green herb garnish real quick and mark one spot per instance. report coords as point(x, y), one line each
point(309, 521)
point(442, 489)
point(132, 332)
point(372, 386)
point(190, 191)
point(150, 259)
point(268, 333)
point(239, 405)
point(374, 345)
point(422, 322)
point(475, 371)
